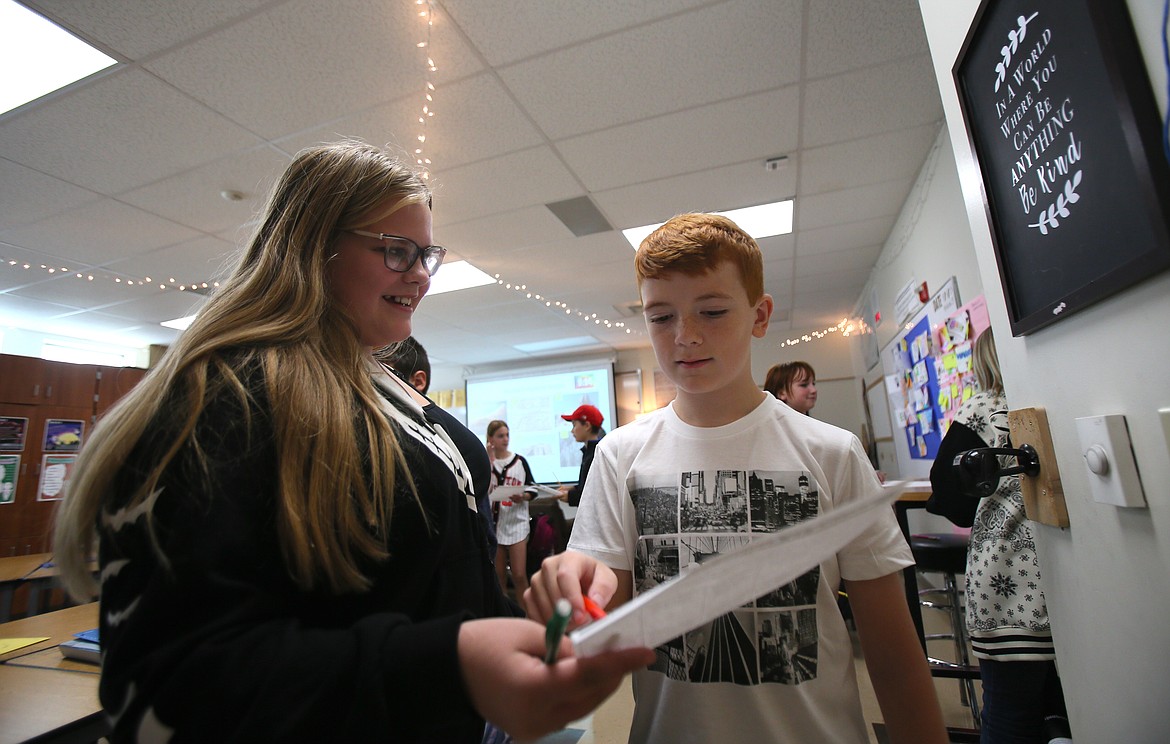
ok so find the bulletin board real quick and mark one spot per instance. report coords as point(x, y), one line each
point(928, 371)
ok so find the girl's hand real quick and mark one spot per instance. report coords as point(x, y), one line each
point(502, 660)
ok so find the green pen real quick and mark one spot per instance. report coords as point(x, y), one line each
point(556, 629)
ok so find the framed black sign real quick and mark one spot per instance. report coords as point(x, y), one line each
point(1063, 124)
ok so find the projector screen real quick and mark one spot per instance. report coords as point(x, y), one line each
point(532, 400)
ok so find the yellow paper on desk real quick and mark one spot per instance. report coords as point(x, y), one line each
point(13, 644)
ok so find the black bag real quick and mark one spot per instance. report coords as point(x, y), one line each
point(948, 497)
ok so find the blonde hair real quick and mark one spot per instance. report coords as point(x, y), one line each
point(985, 362)
point(696, 243)
point(275, 312)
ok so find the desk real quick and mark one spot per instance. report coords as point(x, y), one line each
point(58, 626)
point(44, 696)
point(913, 496)
point(14, 571)
point(35, 571)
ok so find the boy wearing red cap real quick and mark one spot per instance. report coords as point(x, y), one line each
point(587, 422)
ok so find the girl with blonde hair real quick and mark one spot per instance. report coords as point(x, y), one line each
point(288, 545)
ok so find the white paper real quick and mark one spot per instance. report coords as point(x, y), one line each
point(508, 493)
point(722, 584)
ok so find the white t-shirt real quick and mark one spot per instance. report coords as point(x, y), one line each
point(662, 496)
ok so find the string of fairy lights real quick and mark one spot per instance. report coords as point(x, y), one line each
point(568, 309)
point(100, 275)
point(846, 327)
point(427, 13)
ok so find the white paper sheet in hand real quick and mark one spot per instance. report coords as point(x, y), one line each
point(507, 493)
point(720, 585)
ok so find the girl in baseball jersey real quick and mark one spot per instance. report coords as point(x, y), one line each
point(510, 469)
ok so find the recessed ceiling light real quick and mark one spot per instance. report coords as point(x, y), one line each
point(457, 275)
point(179, 324)
point(761, 221)
point(39, 57)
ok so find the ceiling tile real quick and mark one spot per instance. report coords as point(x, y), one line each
point(507, 31)
point(892, 29)
point(889, 94)
point(284, 51)
point(28, 195)
point(473, 191)
point(99, 232)
point(136, 29)
point(194, 197)
point(500, 125)
point(731, 49)
point(123, 130)
point(686, 141)
point(885, 156)
point(712, 190)
point(861, 203)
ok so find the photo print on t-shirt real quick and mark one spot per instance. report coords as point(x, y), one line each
point(695, 516)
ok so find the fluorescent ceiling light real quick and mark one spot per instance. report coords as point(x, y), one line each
point(559, 343)
point(179, 324)
point(457, 275)
point(762, 221)
point(39, 57)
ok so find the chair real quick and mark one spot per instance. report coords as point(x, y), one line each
point(946, 553)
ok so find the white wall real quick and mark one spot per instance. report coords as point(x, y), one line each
point(838, 385)
point(1106, 577)
point(930, 242)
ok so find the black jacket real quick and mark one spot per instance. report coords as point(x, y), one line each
point(587, 451)
point(220, 645)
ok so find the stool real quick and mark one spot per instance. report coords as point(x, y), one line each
point(946, 553)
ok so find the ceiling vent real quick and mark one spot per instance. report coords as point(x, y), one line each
point(580, 215)
point(629, 309)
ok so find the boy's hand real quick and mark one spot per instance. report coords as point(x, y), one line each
point(511, 686)
point(569, 575)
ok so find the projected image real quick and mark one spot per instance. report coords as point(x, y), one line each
point(532, 402)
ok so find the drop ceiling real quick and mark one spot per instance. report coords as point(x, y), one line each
point(647, 109)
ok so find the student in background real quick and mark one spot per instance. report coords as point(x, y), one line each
point(287, 543)
point(587, 430)
point(1007, 617)
point(409, 361)
point(512, 526)
point(795, 383)
point(652, 493)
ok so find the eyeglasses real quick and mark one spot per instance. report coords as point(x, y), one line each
point(400, 253)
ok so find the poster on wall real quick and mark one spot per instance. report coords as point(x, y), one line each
point(916, 370)
point(1067, 135)
point(63, 435)
point(9, 475)
point(952, 358)
point(13, 430)
point(56, 470)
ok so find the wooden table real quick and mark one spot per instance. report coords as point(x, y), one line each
point(913, 496)
point(44, 696)
point(14, 572)
point(58, 626)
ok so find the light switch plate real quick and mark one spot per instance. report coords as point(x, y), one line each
point(1105, 440)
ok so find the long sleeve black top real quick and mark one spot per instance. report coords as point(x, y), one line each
point(220, 645)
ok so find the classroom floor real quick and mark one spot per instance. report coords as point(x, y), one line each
point(610, 723)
